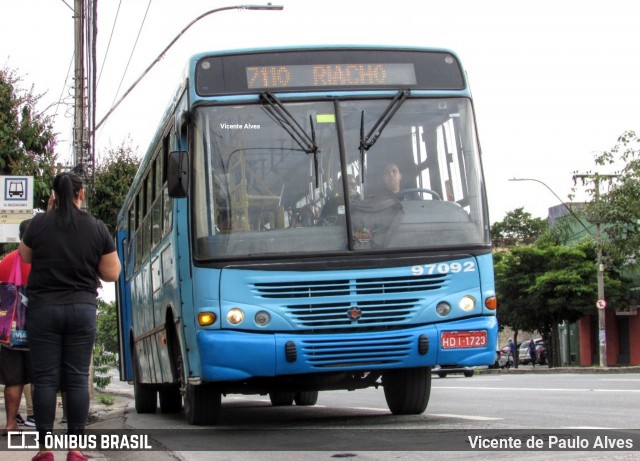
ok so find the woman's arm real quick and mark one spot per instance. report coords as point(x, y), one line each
point(109, 267)
point(25, 252)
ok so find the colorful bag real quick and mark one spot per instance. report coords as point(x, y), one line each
point(13, 310)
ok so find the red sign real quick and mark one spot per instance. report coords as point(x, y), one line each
point(463, 339)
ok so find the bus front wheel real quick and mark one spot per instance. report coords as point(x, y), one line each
point(407, 390)
point(281, 399)
point(306, 398)
point(202, 405)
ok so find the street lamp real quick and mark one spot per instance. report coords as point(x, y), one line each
point(600, 273)
point(155, 61)
point(577, 218)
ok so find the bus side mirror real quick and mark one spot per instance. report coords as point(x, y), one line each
point(178, 174)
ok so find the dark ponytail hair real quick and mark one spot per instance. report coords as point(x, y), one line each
point(67, 187)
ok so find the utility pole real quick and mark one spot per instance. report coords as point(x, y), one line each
point(601, 304)
point(78, 113)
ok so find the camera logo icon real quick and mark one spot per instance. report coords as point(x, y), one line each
point(23, 440)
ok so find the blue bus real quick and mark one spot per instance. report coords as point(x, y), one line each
point(306, 219)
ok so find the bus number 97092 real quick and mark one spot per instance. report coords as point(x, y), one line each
point(444, 268)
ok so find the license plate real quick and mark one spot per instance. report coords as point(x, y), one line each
point(463, 339)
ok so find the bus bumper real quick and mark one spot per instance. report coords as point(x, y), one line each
point(232, 355)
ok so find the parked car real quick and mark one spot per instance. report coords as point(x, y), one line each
point(504, 358)
point(541, 352)
point(443, 370)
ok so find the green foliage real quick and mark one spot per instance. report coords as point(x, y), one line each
point(27, 140)
point(617, 205)
point(517, 227)
point(106, 399)
point(103, 361)
point(113, 177)
point(540, 286)
point(107, 326)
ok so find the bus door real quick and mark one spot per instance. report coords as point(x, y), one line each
point(124, 313)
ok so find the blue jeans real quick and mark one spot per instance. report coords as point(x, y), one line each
point(61, 339)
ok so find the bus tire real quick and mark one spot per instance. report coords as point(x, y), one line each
point(407, 390)
point(170, 400)
point(306, 398)
point(145, 395)
point(281, 399)
point(202, 405)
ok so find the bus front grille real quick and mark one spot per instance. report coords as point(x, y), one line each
point(341, 352)
point(358, 303)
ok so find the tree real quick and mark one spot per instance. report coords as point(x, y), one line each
point(106, 326)
point(27, 140)
point(540, 286)
point(113, 177)
point(517, 227)
point(618, 209)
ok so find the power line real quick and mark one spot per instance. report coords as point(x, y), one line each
point(132, 51)
point(68, 6)
point(106, 53)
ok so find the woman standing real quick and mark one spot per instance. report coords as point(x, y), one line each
point(69, 250)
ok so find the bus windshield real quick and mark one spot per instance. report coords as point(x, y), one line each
point(304, 177)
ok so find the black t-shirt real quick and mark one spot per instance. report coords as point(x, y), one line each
point(64, 262)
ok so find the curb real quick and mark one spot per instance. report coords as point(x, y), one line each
point(560, 370)
point(99, 411)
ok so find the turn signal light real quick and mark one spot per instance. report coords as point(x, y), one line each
point(206, 318)
point(491, 303)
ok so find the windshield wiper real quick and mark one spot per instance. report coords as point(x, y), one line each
point(284, 118)
point(366, 142)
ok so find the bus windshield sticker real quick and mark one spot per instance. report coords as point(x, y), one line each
point(325, 118)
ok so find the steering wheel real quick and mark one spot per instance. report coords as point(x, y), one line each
point(404, 192)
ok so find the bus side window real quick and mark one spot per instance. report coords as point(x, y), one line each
point(129, 243)
point(138, 231)
point(156, 208)
point(146, 220)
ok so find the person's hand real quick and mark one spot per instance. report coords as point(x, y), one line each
point(51, 204)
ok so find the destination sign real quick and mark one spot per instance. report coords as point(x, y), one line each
point(326, 69)
point(321, 75)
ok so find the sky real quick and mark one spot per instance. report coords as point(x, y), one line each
point(554, 81)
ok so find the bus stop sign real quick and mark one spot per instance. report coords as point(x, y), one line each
point(16, 205)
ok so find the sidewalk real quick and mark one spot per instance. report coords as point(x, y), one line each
point(98, 411)
point(544, 369)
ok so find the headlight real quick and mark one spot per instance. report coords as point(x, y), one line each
point(467, 303)
point(262, 319)
point(443, 308)
point(235, 316)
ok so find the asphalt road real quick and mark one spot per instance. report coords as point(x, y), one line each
point(534, 406)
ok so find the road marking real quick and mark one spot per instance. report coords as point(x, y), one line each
point(537, 389)
point(471, 418)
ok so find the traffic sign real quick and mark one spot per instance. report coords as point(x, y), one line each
point(16, 205)
point(601, 304)
point(16, 192)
